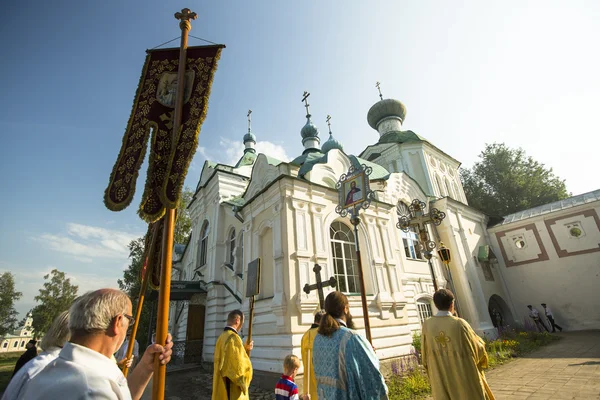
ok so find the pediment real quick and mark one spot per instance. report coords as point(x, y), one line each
point(328, 170)
point(263, 173)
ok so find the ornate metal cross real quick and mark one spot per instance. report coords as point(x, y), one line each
point(305, 100)
point(249, 119)
point(378, 86)
point(328, 122)
point(414, 216)
point(320, 285)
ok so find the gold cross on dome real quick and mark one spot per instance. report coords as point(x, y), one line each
point(442, 339)
point(186, 14)
point(305, 100)
point(378, 86)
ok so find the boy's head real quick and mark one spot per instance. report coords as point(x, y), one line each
point(291, 365)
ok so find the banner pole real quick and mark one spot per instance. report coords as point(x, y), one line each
point(164, 294)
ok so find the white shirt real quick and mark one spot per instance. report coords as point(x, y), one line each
point(14, 390)
point(78, 373)
point(534, 313)
point(443, 314)
point(548, 312)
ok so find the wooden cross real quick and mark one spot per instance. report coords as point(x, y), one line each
point(329, 123)
point(378, 86)
point(305, 100)
point(320, 285)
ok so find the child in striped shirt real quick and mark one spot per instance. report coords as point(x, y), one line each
point(286, 389)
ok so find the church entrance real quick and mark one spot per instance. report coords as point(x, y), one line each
point(499, 312)
point(194, 334)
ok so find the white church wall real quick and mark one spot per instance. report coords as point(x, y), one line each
point(542, 262)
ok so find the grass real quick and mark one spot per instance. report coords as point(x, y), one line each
point(409, 380)
point(7, 364)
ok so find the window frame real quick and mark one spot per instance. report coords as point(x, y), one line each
point(203, 244)
point(347, 260)
point(411, 243)
point(424, 310)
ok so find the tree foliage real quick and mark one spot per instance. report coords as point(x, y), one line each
point(56, 296)
point(131, 283)
point(506, 180)
point(183, 227)
point(8, 296)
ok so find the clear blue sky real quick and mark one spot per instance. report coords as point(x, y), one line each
point(523, 73)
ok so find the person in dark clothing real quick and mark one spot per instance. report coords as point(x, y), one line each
point(29, 354)
point(550, 317)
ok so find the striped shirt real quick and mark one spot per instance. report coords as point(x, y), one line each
point(286, 389)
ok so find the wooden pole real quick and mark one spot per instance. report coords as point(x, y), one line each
point(164, 294)
point(250, 321)
point(363, 294)
point(141, 298)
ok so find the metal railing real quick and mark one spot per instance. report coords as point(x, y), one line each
point(186, 352)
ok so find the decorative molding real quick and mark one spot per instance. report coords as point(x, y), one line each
point(564, 253)
point(543, 256)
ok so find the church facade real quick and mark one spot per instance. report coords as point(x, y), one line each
point(19, 338)
point(284, 213)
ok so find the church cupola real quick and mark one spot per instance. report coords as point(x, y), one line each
point(331, 143)
point(309, 132)
point(387, 115)
point(249, 138)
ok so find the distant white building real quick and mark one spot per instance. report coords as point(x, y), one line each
point(19, 338)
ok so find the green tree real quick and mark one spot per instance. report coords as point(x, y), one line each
point(131, 283)
point(506, 180)
point(8, 296)
point(183, 226)
point(56, 296)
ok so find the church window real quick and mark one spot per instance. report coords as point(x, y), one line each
point(16, 344)
point(412, 247)
point(5, 345)
point(344, 258)
point(203, 245)
point(232, 247)
point(22, 343)
point(575, 230)
point(424, 308)
point(449, 189)
point(519, 242)
point(239, 255)
point(440, 187)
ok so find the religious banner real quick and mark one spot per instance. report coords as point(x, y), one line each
point(354, 191)
point(153, 109)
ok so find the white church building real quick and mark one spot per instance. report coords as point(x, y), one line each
point(284, 213)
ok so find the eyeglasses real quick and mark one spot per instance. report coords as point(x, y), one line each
point(130, 318)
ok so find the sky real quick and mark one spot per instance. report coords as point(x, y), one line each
point(469, 73)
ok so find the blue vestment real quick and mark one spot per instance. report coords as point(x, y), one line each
point(346, 367)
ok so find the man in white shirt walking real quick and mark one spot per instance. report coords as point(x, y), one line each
point(85, 368)
point(534, 314)
point(550, 317)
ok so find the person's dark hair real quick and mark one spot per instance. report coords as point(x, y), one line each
point(233, 316)
point(529, 306)
point(335, 304)
point(319, 316)
point(33, 342)
point(443, 299)
point(543, 304)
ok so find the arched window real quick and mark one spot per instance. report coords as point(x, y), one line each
point(412, 248)
point(231, 248)
point(239, 254)
point(344, 258)
point(16, 343)
point(267, 284)
point(22, 343)
point(439, 184)
point(203, 244)
point(5, 345)
point(449, 188)
point(424, 308)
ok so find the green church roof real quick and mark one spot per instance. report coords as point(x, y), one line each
point(401, 137)
point(379, 172)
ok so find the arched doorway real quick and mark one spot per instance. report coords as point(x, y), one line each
point(499, 311)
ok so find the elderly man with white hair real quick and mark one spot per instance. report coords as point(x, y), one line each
point(85, 368)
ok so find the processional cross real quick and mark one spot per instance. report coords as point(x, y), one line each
point(320, 285)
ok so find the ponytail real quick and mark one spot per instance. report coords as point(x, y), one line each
point(328, 325)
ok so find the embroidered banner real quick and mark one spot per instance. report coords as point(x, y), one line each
point(153, 110)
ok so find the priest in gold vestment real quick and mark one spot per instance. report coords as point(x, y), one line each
point(232, 369)
point(453, 354)
point(307, 345)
